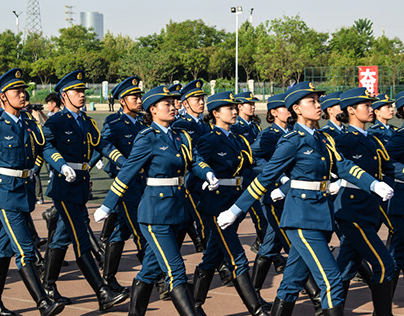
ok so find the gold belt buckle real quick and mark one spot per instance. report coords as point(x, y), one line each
point(323, 185)
point(25, 173)
point(84, 167)
point(180, 181)
point(238, 182)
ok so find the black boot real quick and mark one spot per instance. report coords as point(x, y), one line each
point(55, 257)
point(191, 231)
point(113, 255)
point(395, 281)
point(202, 280)
point(139, 298)
point(33, 284)
point(183, 300)
point(247, 293)
point(4, 264)
point(345, 284)
point(162, 288)
point(279, 262)
point(382, 298)
point(314, 293)
point(95, 247)
point(365, 272)
point(335, 311)
point(256, 245)
point(106, 297)
point(259, 273)
point(107, 229)
point(39, 263)
point(282, 308)
point(225, 274)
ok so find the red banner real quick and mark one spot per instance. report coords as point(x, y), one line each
point(369, 78)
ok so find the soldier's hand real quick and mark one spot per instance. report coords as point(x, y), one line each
point(213, 181)
point(225, 219)
point(99, 164)
point(277, 195)
point(100, 215)
point(69, 173)
point(334, 187)
point(383, 190)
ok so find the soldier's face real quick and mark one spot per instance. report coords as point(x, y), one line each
point(195, 104)
point(334, 110)
point(247, 109)
point(178, 104)
point(163, 111)
point(226, 114)
point(14, 97)
point(309, 107)
point(386, 112)
point(75, 97)
point(281, 113)
point(363, 112)
point(133, 102)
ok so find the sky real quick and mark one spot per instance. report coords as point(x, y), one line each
point(139, 18)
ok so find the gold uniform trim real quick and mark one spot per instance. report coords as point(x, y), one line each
point(14, 238)
point(278, 223)
point(197, 214)
point(73, 229)
point(134, 231)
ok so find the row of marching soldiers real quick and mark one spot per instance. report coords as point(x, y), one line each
point(177, 172)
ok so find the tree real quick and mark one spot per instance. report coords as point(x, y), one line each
point(195, 61)
point(43, 69)
point(10, 50)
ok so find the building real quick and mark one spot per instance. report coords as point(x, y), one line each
point(94, 20)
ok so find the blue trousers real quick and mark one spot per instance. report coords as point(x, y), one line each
point(15, 237)
point(397, 242)
point(360, 241)
point(309, 253)
point(258, 218)
point(71, 228)
point(224, 243)
point(127, 225)
point(162, 254)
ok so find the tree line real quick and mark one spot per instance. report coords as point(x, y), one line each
point(275, 51)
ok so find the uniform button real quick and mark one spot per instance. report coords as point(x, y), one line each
point(276, 184)
point(84, 178)
point(303, 195)
point(322, 158)
point(59, 175)
point(325, 177)
point(352, 196)
point(186, 195)
point(84, 143)
point(141, 177)
point(179, 171)
point(239, 157)
point(128, 143)
point(26, 145)
point(178, 155)
point(27, 158)
point(85, 155)
point(325, 194)
point(161, 194)
point(1, 180)
point(238, 189)
point(26, 182)
point(376, 175)
point(375, 157)
point(68, 140)
point(179, 188)
point(217, 192)
point(9, 145)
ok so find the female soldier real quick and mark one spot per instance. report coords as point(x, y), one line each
point(248, 125)
point(383, 112)
point(164, 155)
point(395, 148)
point(307, 157)
point(228, 155)
point(331, 108)
point(356, 211)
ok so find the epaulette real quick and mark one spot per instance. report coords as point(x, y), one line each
point(326, 127)
point(292, 133)
point(400, 130)
point(374, 126)
point(147, 130)
point(115, 121)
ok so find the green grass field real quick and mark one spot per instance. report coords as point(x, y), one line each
point(101, 181)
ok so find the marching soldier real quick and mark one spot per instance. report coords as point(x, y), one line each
point(75, 135)
point(331, 108)
point(22, 140)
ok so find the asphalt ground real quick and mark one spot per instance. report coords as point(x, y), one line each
point(221, 300)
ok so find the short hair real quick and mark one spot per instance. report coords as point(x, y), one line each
point(52, 97)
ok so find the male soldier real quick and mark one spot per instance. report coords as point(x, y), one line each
point(75, 135)
point(22, 140)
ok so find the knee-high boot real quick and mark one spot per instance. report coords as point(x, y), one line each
point(382, 298)
point(314, 292)
point(53, 265)
point(4, 264)
point(202, 281)
point(113, 255)
point(183, 300)
point(259, 273)
point(33, 284)
point(245, 289)
point(139, 298)
point(335, 311)
point(282, 308)
point(395, 281)
point(95, 247)
point(107, 229)
point(106, 297)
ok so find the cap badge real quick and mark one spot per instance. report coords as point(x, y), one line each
point(367, 93)
point(198, 84)
point(79, 76)
point(134, 82)
point(18, 74)
point(166, 90)
point(312, 86)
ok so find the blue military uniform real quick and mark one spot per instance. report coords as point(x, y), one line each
point(22, 140)
point(307, 156)
point(328, 101)
point(76, 136)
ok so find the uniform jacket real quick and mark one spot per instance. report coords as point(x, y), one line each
point(19, 150)
point(157, 154)
point(249, 131)
point(228, 159)
point(76, 146)
point(381, 132)
point(369, 154)
point(301, 157)
point(331, 130)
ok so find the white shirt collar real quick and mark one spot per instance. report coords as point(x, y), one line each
point(13, 117)
point(336, 126)
point(163, 128)
point(248, 123)
point(227, 133)
point(75, 115)
point(310, 131)
point(133, 120)
point(365, 133)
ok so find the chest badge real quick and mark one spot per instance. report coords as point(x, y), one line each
point(308, 152)
point(222, 154)
point(164, 148)
point(357, 156)
point(128, 135)
point(68, 132)
point(8, 137)
point(190, 132)
point(246, 134)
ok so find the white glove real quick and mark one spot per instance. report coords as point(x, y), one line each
point(100, 215)
point(213, 181)
point(284, 179)
point(383, 190)
point(334, 187)
point(277, 195)
point(69, 173)
point(225, 219)
point(99, 164)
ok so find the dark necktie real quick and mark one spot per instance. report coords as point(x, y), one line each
point(171, 136)
point(317, 139)
point(81, 122)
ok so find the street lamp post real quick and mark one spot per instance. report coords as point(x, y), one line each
point(17, 20)
point(236, 10)
point(251, 12)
